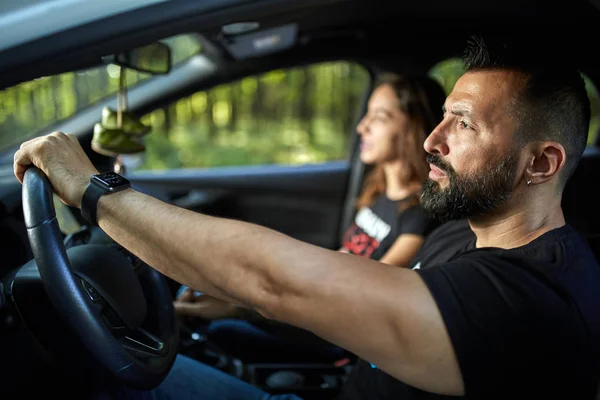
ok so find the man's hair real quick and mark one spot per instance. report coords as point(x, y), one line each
point(553, 104)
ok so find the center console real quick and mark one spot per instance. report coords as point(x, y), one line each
point(310, 381)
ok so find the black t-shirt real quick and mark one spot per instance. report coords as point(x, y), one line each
point(524, 322)
point(444, 243)
point(375, 228)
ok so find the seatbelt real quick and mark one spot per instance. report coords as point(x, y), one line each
point(354, 184)
point(356, 171)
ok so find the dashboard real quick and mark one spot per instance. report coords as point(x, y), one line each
point(14, 243)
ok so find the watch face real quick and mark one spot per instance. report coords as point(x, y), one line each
point(111, 180)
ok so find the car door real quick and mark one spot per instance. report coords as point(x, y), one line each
point(272, 149)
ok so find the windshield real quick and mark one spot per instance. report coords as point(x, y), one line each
point(28, 108)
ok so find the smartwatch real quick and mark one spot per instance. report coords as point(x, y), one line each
point(100, 184)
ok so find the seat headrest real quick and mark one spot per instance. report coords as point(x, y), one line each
point(578, 201)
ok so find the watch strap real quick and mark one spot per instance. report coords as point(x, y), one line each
point(89, 202)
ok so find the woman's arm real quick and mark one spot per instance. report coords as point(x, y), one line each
point(403, 250)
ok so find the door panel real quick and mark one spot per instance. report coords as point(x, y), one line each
point(304, 202)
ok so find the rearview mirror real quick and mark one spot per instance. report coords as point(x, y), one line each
point(154, 58)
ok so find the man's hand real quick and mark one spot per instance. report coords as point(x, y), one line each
point(204, 306)
point(64, 162)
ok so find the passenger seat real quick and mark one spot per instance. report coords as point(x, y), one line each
point(580, 206)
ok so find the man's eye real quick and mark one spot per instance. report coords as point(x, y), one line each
point(464, 124)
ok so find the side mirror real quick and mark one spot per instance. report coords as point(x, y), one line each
point(154, 58)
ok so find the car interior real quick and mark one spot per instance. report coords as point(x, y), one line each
point(75, 307)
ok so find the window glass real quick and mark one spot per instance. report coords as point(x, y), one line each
point(30, 107)
point(302, 115)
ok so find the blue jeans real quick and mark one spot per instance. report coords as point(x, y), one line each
point(252, 344)
point(190, 379)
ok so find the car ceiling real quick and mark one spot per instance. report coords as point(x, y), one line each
point(420, 32)
point(54, 15)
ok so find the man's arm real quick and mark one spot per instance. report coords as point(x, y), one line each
point(383, 314)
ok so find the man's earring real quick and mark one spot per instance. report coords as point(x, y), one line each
point(528, 182)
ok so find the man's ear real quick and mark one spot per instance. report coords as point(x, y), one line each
point(548, 159)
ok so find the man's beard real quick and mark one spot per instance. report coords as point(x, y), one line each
point(471, 195)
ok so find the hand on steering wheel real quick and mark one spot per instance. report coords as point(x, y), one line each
point(100, 296)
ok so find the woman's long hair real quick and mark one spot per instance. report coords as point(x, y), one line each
point(421, 98)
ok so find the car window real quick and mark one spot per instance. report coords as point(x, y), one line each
point(28, 108)
point(448, 71)
point(302, 115)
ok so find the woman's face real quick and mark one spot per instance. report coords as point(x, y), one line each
point(383, 126)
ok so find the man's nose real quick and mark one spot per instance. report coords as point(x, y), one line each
point(436, 141)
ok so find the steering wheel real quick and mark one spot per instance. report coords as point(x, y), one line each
point(100, 295)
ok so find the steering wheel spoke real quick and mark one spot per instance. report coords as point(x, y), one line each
point(93, 294)
point(142, 341)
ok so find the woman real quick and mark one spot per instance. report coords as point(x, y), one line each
point(389, 225)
